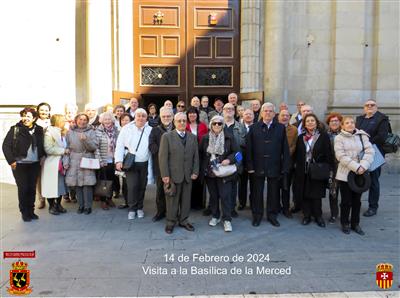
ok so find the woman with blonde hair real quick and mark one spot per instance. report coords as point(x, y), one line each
point(53, 172)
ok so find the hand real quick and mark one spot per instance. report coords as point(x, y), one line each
point(67, 151)
point(118, 166)
point(82, 137)
point(13, 165)
point(66, 167)
point(194, 176)
point(165, 180)
point(251, 172)
point(225, 162)
point(360, 170)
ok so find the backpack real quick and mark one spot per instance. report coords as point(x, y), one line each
point(392, 142)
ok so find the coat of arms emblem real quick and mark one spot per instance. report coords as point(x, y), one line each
point(384, 275)
point(19, 279)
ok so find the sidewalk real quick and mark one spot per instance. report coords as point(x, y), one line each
point(104, 254)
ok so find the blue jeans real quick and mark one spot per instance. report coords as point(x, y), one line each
point(374, 190)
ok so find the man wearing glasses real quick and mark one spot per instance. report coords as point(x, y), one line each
point(180, 107)
point(376, 124)
point(179, 165)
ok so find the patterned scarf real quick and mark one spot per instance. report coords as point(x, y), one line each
point(110, 131)
point(216, 144)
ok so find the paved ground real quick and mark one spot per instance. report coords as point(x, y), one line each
point(104, 254)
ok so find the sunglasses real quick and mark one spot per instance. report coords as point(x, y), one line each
point(370, 105)
point(179, 106)
point(217, 123)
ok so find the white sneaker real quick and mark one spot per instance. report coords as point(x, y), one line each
point(227, 226)
point(214, 221)
point(140, 213)
point(131, 215)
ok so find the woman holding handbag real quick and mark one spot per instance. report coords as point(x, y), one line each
point(82, 161)
point(355, 154)
point(53, 172)
point(218, 149)
point(313, 162)
point(107, 134)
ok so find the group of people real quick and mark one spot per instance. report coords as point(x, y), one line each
point(228, 150)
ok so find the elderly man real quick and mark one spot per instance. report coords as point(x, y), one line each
point(133, 106)
point(179, 165)
point(296, 117)
point(305, 110)
point(134, 137)
point(218, 106)
point(205, 107)
point(256, 106)
point(291, 134)
point(245, 177)
point(239, 133)
point(168, 104)
point(233, 99)
point(268, 157)
point(166, 116)
point(203, 117)
point(376, 124)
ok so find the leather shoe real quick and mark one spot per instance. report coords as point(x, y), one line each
point(234, 214)
point(320, 222)
point(26, 218)
point(274, 222)
point(87, 211)
point(358, 230)
point(53, 210)
point(207, 212)
point(295, 210)
point(346, 229)
point(287, 213)
point(306, 221)
point(123, 206)
point(33, 216)
point(369, 213)
point(158, 217)
point(187, 227)
point(169, 229)
point(256, 222)
point(80, 210)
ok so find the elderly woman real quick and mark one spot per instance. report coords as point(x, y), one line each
point(92, 113)
point(333, 121)
point(313, 146)
point(107, 134)
point(81, 142)
point(355, 153)
point(23, 150)
point(218, 147)
point(53, 180)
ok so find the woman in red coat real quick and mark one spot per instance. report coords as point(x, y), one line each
point(199, 129)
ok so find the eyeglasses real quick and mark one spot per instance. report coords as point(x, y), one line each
point(369, 105)
point(228, 109)
point(180, 106)
point(217, 123)
point(181, 121)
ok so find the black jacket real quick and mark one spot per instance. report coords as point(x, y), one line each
point(230, 149)
point(154, 146)
point(267, 151)
point(378, 130)
point(153, 122)
point(322, 152)
point(18, 147)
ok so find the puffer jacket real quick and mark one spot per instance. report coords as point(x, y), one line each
point(103, 142)
point(348, 147)
point(76, 176)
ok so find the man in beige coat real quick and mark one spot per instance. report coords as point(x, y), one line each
point(179, 164)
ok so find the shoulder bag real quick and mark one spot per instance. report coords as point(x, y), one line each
point(129, 159)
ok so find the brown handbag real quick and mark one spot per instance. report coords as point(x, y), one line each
point(103, 187)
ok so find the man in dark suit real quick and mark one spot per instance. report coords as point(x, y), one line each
point(179, 164)
point(166, 116)
point(267, 155)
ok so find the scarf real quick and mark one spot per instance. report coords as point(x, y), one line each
point(216, 144)
point(111, 137)
point(168, 128)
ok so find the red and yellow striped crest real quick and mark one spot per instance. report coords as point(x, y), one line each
point(384, 275)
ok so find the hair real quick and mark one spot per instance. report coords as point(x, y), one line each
point(106, 114)
point(68, 106)
point(320, 126)
point(105, 108)
point(181, 101)
point(333, 115)
point(151, 105)
point(141, 111)
point(166, 110)
point(123, 116)
point(55, 119)
point(345, 118)
point(268, 104)
point(216, 118)
point(179, 114)
point(90, 106)
point(79, 115)
point(219, 99)
point(43, 104)
point(193, 110)
point(27, 110)
point(118, 107)
point(204, 96)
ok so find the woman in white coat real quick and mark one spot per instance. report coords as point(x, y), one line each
point(53, 180)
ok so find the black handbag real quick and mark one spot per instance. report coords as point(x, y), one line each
point(129, 159)
point(392, 142)
point(103, 187)
point(319, 170)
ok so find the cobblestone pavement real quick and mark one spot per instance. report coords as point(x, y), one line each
point(105, 254)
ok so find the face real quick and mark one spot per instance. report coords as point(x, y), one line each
point(107, 121)
point(70, 114)
point(348, 125)
point(134, 103)
point(125, 121)
point(166, 118)
point(217, 127)
point(195, 102)
point(218, 105)
point(305, 110)
point(268, 114)
point(192, 117)
point(284, 117)
point(110, 109)
point(311, 123)
point(91, 113)
point(81, 122)
point(334, 124)
point(44, 112)
point(180, 123)
point(140, 119)
point(248, 116)
point(240, 111)
point(152, 110)
point(119, 112)
point(232, 98)
point(27, 119)
point(255, 105)
point(370, 107)
point(283, 106)
point(168, 104)
point(299, 105)
point(180, 106)
point(204, 102)
point(229, 111)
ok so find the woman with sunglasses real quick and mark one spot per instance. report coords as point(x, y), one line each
point(218, 147)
